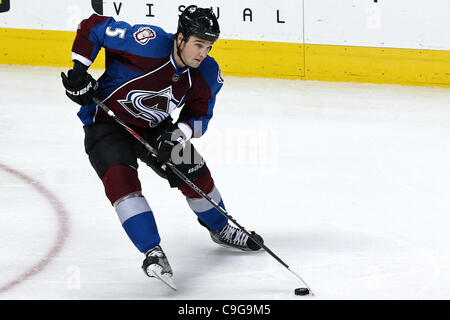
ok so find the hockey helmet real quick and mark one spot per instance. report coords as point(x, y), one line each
point(199, 22)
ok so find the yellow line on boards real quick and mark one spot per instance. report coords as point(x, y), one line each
point(261, 59)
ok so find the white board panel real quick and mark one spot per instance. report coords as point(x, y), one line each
point(260, 20)
point(413, 24)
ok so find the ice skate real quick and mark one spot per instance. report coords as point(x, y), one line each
point(232, 237)
point(156, 265)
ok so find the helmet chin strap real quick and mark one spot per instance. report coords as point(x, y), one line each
point(178, 52)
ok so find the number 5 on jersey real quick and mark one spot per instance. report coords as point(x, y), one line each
point(115, 32)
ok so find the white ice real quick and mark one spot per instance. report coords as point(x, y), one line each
point(348, 183)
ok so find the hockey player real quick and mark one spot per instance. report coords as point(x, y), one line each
point(149, 73)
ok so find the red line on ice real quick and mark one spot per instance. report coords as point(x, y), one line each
point(63, 220)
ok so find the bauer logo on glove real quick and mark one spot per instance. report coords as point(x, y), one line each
point(80, 86)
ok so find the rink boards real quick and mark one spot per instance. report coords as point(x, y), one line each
point(402, 42)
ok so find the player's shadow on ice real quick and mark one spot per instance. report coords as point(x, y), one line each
point(210, 261)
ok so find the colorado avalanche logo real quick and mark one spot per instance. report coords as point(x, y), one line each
point(151, 106)
point(144, 35)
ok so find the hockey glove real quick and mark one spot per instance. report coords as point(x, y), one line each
point(80, 86)
point(170, 144)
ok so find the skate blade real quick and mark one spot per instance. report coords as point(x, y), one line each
point(155, 270)
point(234, 249)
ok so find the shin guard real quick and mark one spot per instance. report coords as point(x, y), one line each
point(205, 211)
point(123, 189)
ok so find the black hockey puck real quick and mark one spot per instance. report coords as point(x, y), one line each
point(302, 291)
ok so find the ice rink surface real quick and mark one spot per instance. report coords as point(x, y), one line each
point(348, 183)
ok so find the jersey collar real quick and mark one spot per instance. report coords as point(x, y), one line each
point(178, 70)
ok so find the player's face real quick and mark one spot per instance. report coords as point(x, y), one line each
point(195, 50)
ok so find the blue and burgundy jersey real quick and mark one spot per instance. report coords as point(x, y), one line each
point(142, 84)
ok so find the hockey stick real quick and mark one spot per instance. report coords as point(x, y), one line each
point(197, 189)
